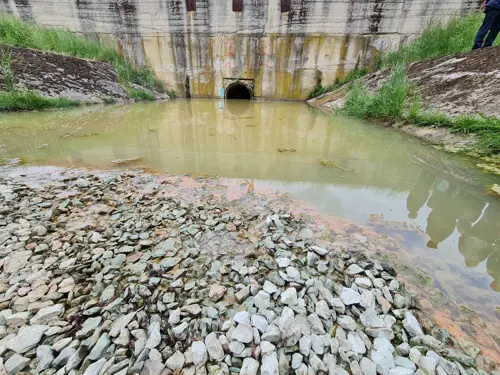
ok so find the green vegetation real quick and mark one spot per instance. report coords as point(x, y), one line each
point(319, 89)
point(18, 33)
point(438, 39)
point(395, 100)
point(141, 95)
point(30, 100)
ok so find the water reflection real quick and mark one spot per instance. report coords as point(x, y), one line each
point(476, 221)
point(372, 171)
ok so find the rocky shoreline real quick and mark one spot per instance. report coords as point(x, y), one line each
point(120, 274)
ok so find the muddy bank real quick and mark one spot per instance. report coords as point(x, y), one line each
point(60, 76)
point(128, 272)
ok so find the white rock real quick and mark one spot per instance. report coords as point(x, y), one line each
point(250, 366)
point(44, 357)
point(16, 363)
point(305, 344)
point(384, 360)
point(363, 282)
point(354, 269)
point(154, 335)
point(289, 297)
point(283, 262)
point(367, 300)
point(370, 319)
point(319, 250)
point(322, 309)
point(27, 338)
point(214, 347)
point(243, 333)
point(269, 364)
point(272, 334)
point(152, 367)
point(199, 351)
point(176, 362)
point(411, 325)
point(121, 323)
point(415, 355)
point(317, 365)
point(400, 371)
point(356, 342)
point(350, 296)
point(262, 300)
point(95, 368)
point(383, 344)
point(180, 331)
point(242, 317)
point(406, 363)
point(269, 287)
point(297, 359)
point(428, 364)
point(47, 314)
point(317, 344)
point(290, 331)
point(266, 347)
point(260, 322)
point(368, 367)
point(346, 322)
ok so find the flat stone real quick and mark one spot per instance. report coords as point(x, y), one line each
point(367, 366)
point(121, 323)
point(290, 332)
point(63, 357)
point(95, 368)
point(356, 343)
point(236, 347)
point(76, 359)
point(269, 287)
point(262, 300)
point(44, 357)
point(350, 296)
point(346, 322)
point(242, 317)
point(47, 314)
point(89, 326)
point(305, 344)
point(400, 371)
point(354, 269)
point(27, 338)
point(406, 363)
point(16, 363)
point(100, 347)
point(267, 347)
point(319, 250)
point(260, 322)
point(427, 364)
point(323, 310)
point(297, 359)
point(316, 364)
point(272, 334)
point(107, 294)
point(384, 361)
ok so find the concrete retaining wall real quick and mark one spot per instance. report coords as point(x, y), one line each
point(285, 53)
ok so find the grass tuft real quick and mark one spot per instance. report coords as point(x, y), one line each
point(319, 89)
point(141, 95)
point(31, 100)
point(18, 33)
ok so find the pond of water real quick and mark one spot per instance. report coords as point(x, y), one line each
point(436, 202)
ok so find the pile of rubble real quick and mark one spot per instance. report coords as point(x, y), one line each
point(102, 276)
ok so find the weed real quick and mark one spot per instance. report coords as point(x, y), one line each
point(319, 89)
point(18, 33)
point(31, 100)
point(6, 71)
point(141, 95)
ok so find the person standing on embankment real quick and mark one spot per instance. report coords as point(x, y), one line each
point(490, 26)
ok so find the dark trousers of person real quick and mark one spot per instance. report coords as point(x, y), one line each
point(489, 29)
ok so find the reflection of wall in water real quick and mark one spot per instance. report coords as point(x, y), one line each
point(452, 208)
point(284, 52)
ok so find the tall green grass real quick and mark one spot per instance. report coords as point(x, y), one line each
point(437, 40)
point(30, 100)
point(18, 33)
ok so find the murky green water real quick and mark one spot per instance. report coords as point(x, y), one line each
point(369, 171)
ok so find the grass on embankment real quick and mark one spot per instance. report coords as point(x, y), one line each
point(18, 33)
point(395, 100)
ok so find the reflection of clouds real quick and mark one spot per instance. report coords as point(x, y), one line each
point(452, 208)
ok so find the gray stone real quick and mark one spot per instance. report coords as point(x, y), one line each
point(260, 322)
point(243, 333)
point(323, 310)
point(154, 335)
point(250, 367)
point(297, 359)
point(63, 357)
point(95, 368)
point(262, 300)
point(427, 364)
point(242, 317)
point(356, 343)
point(289, 297)
point(305, 344)
point(176, 362)
point(174, 317)
point(199, 350)
point(400, 371)
point(107, 294)
point(152, 367)
point(16, 363)
point(367, 366)
point(354, 269)
point(270, 365)
point(384, 360)
point(272, 334)
point(236, 347)
point(47, 314)
point(406, 363)
point(350, 296)
point(266, 347)
point(346, 322)
point(27, 338)
point(100, 347)
point(317, 344)
point(44, 357)
point(290, 332)
point(319, 250)
point(76, 359)
point(269, 287)
point(415, 355)
point(316, 364)
point(180, 331)
point(403, 349)
point(214, 347)
point(411, 325)
point(121, 323)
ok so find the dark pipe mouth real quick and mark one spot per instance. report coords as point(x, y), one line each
point(238, 91)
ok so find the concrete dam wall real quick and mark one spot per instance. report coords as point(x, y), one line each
point(278, 49)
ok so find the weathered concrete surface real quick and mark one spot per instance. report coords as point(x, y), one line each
point(55, 75)
point(464, 83)
point(286, 54)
